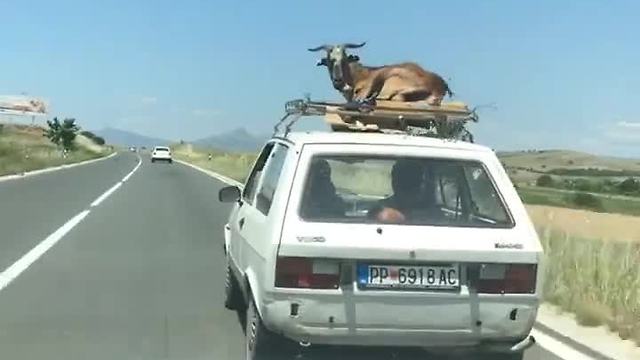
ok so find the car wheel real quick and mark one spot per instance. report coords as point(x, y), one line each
point(260, 343)
point(233, 296)
point(153, 160)
point(170, 161)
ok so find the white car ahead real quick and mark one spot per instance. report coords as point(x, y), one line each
point(382, 240)
point(161, 153)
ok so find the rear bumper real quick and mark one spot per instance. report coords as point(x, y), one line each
point(161, 157)
point(475, 323)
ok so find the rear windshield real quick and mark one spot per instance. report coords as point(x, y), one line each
point(401, 190)
point(162, 149)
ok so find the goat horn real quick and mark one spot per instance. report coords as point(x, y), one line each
point(322, 47)
point(354, 46)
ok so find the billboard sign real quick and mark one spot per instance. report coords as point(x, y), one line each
point(22, 105)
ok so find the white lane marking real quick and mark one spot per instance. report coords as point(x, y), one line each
point(54, 168)
point(12, 272)
point(558, 348)
point(132, 171)
point(101, 198)
point(115, 187)
point(213, 174)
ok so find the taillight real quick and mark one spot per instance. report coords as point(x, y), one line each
point(298, 272)
point(507, 279)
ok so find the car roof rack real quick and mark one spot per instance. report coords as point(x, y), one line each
point(447, 121)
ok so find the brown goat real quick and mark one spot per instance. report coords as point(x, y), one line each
point(398, 82)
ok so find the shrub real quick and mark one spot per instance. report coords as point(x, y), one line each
point(62, 134)
point(98, 140)
point(544, 180)
point(95, 138)
point(585, 200)
point(88, 134)
point(583, 185)
point(629, 185)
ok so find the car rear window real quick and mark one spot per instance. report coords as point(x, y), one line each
point(162, 149)
point(405, 190)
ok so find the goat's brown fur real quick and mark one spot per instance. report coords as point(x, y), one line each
point(399, 82)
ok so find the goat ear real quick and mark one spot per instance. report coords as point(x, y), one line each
point(353, 58)
point(322, 62)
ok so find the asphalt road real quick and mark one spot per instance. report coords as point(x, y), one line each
point(141, 277)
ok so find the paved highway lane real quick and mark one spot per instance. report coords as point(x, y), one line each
point(141, 277)
point(33, 207)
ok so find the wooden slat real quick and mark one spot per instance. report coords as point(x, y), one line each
point(388, 115)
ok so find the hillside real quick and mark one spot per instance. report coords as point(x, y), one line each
point(128, 138)
point(545, 160)
point(236, 140)
point(24, 148)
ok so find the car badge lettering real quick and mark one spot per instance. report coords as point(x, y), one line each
point(508, 246)
point(311, 239)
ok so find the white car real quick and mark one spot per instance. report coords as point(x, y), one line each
point(161, 153)
point(382, 240)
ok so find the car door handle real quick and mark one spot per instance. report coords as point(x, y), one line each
point(241, 223)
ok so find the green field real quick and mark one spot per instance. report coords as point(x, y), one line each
point(552, 197)
point(24, 148)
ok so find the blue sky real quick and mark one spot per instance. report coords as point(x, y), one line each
point(563, 74)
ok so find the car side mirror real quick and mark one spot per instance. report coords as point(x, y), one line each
point(229, 194)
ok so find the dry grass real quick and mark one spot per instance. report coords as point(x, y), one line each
point(586, 224)
point(597, 280)
point(24, 148)
point(233, 165)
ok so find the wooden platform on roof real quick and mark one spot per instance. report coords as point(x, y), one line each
point(396, 116)
point(446, 120)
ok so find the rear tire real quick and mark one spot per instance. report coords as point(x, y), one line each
point(153, 160)
point(233, 296)
point(260, 343)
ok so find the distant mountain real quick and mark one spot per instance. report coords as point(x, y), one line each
point(127, 138)
point(236, 140)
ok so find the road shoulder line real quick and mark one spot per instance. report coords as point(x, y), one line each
point(598, 342)
point(213, 174)
point(542, 332)
point(54, 168)
point(559, 347)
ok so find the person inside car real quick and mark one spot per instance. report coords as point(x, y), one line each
point(321, 200)
point(409, 199)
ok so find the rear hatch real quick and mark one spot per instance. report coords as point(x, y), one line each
point(403, 270)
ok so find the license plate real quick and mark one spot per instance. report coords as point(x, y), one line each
point(443, 277)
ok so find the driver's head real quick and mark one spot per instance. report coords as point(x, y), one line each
point(320, 177)
point(406, 178)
